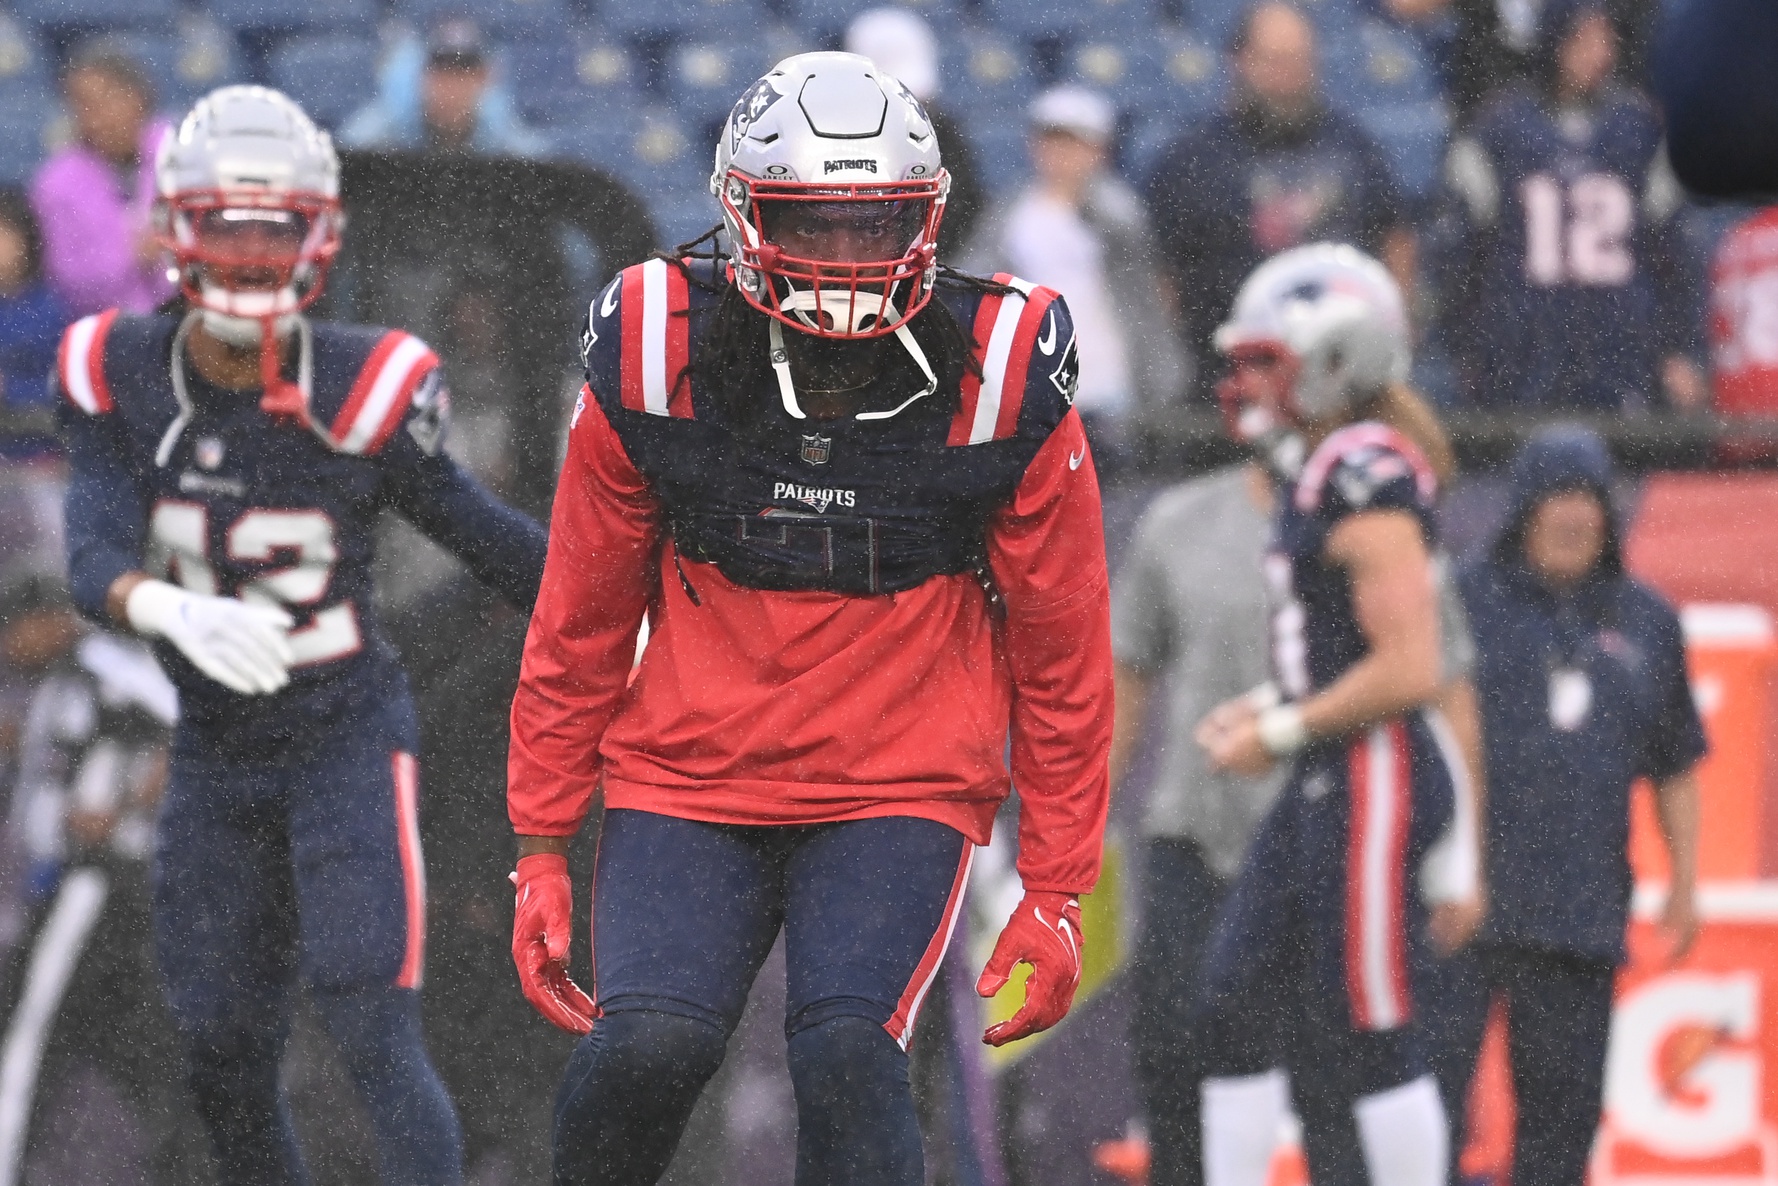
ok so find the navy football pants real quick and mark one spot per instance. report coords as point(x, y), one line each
point(1558, 1023)
point(1324, 923)
point(684, 914)
point(265, 873)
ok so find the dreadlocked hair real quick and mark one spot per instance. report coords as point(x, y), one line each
point(735, 354)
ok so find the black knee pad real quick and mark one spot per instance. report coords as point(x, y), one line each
point(844, 1052)
point(645, 1045)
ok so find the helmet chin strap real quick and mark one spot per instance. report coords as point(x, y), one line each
point(244, 320)
point(305, 375)
point(787, 389)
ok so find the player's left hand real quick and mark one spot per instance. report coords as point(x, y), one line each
point(1044, 932)
point(542, 917)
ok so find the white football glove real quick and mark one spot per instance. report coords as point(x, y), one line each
point(238, 645)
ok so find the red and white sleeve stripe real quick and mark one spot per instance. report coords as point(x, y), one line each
point(1006, 328)
point(80, 363)
point(379, 398)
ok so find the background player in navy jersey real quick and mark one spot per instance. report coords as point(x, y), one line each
point(228, 466)
point(1323, 924)
point(850, 494)
point(1574, 287)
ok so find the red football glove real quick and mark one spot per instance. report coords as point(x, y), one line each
point(1045, 933)
point(541, 920)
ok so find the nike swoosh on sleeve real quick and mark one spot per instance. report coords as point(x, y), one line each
point(1074, 459)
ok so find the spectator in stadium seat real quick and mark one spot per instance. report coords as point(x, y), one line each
point(1080, 230)
point(93, 197)
point(1583, 690)
point(31, 322)
point(442, 97)
point(1276, 169)
point(1496, 42)
point(1744, 317)
point(1575, 287)
point(902, 43)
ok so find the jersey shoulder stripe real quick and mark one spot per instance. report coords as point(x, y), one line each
point(1006, 329)
point(80, 363)
point(655, 340)
point(382, 393)
point(1349, 444)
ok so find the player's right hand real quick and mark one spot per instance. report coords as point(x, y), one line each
point(241, 646)
point(542, 917)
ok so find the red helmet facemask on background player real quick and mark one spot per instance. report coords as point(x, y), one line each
point(837, 261)
point(251, 260)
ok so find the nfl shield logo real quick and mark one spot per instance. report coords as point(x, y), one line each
point(207, 452)
point(816, 448)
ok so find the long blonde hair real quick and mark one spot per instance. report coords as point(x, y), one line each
point(1403, 409)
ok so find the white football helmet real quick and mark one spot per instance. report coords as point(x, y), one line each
point(831, 190)
point(248, 205)
point(1338, 316)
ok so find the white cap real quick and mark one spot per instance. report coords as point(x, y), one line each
point(901, 44)
point(1075, 109)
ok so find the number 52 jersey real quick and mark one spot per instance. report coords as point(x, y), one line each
point(222, 499)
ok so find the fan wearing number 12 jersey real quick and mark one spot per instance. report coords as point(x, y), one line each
point(228, 468)
point(1582, 293)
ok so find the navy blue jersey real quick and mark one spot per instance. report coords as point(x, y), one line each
point(1578, 286)
point(227, 501)
point(844, 505)
point(1363, 467)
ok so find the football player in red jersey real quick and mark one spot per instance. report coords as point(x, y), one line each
point(848, 490)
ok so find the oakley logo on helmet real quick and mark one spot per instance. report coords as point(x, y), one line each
point(867, 164)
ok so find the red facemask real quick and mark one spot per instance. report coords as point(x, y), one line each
point(837, 261)
point(254, 255)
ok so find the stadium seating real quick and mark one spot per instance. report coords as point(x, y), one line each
point(90, 15)
point(271, 17)
point(1377, 65)
point(25, 64)
point(1413, 137)
point(331, 76)
point(704, 78)
point(184, 67)
point(986, 77)
point(25, 124)
point(1024, 19)
point(567, 81)
point(716, 20)
point(1181, 78)
point(503, 18)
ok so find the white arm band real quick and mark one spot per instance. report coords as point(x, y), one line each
point(1281, 730)
point(1452, 868)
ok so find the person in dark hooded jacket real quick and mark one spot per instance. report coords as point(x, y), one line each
point(1573, 287)
point(1582, 683)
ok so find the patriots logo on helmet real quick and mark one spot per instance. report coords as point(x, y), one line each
point(753, 104)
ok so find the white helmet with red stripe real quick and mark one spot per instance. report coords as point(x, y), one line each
point(831, 190)
point(1338, 316)
point(248, 205)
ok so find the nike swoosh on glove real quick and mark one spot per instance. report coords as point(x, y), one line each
point(1045, 933)
point(239, 645)
point(541, 920)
